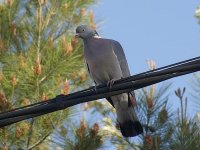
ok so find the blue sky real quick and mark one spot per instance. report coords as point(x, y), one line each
point(165, 31)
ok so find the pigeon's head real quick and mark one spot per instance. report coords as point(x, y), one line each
point(84, 32)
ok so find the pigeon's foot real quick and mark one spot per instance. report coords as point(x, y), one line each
point(110, 83)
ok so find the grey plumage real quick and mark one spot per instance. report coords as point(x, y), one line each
point(106, 62)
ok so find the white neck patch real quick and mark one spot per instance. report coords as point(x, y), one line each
point(97, 37)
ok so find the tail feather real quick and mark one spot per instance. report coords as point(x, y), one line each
point(131, 129)
point(126, 115)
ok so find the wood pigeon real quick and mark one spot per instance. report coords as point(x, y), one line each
point(106, 63)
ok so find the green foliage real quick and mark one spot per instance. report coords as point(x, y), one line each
point(39, 59)
point(154, 113)
point(186, 134)
point(79, 137)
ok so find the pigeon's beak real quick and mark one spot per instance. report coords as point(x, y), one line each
point(77, 35)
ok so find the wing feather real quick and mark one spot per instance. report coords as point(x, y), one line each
point(119, 52)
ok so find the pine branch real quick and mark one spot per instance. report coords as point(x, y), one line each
point(102, 91)
point(39, 142)
point(30, 133)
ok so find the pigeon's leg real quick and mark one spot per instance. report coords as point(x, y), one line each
point(95, 88)
point(110, 83)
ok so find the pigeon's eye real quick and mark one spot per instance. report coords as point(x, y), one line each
point(83, 30)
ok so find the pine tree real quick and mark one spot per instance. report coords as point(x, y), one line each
point(186, 135)
point(39, 59)
point(78, 137)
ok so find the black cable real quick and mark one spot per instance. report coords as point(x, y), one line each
point(63, 103)
point(68, 98)
point(121, 86)
point(76, 94)
point(138, 76)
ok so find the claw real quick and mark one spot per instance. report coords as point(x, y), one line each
point(110, 83)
